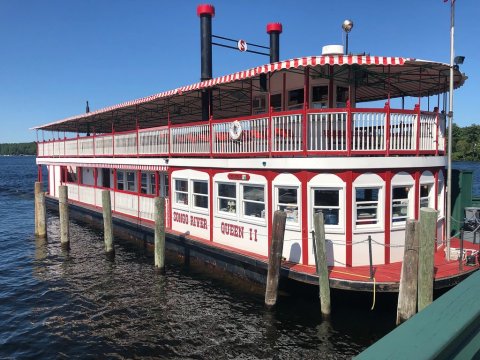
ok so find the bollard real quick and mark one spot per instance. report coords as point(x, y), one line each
point(64, 217)
point(40, 211)
point(160, 233)
point(323, 282)
point(275, 258)
point(407, 293)
point(426, 252)
point(107, 222)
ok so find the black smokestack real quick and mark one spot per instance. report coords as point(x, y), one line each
point(274, 29)
point(206, 13)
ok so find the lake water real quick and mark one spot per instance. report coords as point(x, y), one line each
point(79, 304)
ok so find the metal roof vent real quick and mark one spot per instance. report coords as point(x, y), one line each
point(332, 50)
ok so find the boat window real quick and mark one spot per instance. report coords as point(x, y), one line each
point(120, 180)
point(71, 174)
point(131, 181)
point(425, 199)
point(148, 183)
point(295, 99)
point(400, 208)
point(254, 201)
point(181, 192)
point(327, 201)
point(227, 198)
point(200, 194)
point(287, 201)
point(367, 206)
point(166, 185)
point(276, 102)
point(319, 97)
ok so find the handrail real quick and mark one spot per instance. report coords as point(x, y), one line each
point(328, 131)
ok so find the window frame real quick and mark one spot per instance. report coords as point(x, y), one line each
point(341, 218)
point(176, 192)
point(380, 208)
point(429, 197)
point(277, 204)
point(409, 215)
point(244, 201)
point(194, 195)
point(219, 197)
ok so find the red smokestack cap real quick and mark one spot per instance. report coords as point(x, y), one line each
point(274, 27)
point(205, 9)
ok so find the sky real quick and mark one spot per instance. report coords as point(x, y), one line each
point(56, 54)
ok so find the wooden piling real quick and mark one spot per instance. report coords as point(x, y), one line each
point(64, 216)
point(407, 294)
point(323, 281)
point(107, 222)
point(160, 233)
point(275, 258)
point(426, 252)
point(40, 211)
point(460, 258)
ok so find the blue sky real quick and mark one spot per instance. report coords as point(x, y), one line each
point(56, 54)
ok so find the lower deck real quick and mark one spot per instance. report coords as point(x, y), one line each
point(254, 266)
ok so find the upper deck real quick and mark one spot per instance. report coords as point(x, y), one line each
point(300, 107)
point(307, 132)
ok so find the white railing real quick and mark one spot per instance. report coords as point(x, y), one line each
point(403, 130)
point(368, 131)
point(86, 194)
point(104, 145)
point(147, 208)
point(287, 133)
point(126, 203)
point(327, 131)
point(72, 191)
point(126, 144)
point(152, 142)
point(253, 139)
point(71, 147)
point(428, 131)
point(190, 139)
point(85, 146)
point(441, 131)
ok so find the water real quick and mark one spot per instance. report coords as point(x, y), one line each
point(79, 304)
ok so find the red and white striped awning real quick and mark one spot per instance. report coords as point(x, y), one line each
point(107, 166)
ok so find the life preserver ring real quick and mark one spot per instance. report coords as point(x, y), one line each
point(235, 130)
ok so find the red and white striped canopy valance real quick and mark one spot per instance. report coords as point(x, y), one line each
point(109, 166)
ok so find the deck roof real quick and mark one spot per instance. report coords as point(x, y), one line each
point(375, 78)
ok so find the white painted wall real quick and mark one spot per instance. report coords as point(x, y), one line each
point(186, 218)
point(254, 232)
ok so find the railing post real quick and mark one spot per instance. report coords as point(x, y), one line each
point(437, 124)
point(417, 133)
point(269, 134)
point(136, 127)
point(211, 135)
point(78, 153)
point(113, 140)
point(349, 130)
point(169, 125)
point(387, 128)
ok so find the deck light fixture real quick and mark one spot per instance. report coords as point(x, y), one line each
point(347, 27)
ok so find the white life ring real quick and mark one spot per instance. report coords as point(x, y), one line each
point(235, 130)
